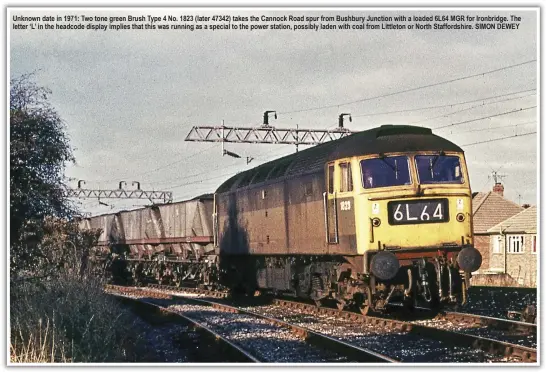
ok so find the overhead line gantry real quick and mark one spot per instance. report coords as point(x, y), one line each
point(268, 134)
point(120, 193)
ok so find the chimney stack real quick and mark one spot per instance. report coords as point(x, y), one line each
point(499, 189)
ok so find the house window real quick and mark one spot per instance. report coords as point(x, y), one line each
point(534, 244)
point(497, 241)
point(515, 244)
point(346, 177)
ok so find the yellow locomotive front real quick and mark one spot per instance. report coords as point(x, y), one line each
point(414, 201)
point(414, 214)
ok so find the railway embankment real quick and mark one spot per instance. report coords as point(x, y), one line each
point(69, 319)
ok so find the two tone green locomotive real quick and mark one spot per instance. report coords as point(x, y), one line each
point(378, 215)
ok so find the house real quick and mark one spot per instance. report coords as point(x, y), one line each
point(513, 247)
point(489, 209)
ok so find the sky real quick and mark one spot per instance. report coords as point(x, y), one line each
point(129, 98)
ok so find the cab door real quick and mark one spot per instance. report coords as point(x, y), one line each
point(330, 206)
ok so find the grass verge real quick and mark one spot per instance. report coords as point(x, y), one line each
point(70, 319)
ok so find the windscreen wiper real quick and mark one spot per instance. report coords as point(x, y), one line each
point(432, 163)
point(394, 169)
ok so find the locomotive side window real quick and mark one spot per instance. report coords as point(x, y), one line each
point(385, 171)
point(439, 169)
point(346, 177)
point(330, 179)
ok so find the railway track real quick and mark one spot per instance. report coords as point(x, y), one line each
point(509, 331)
point(506, 351)
point(430, 340)
point(219, 348)
point(486, 321)
point(512, 332)
point(351, 352)
point(475, 320)
point(269, 339)
point(517, 331)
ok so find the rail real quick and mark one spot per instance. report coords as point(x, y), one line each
point(354, 352)
point(233, 352)
point(497, 347)
point(498, 323)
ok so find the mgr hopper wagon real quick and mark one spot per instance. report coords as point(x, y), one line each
point(377, 216)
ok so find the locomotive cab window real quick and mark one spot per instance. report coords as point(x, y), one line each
point(439, 169)
point(385, 171)
point(330, 179)
point(346, 177)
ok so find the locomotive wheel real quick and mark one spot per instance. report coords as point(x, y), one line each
point(366, 306)
point(177, 282)
point(434, 303)
point(249, 289)
point(364, 310)
point(138, 275)
point(408, 303)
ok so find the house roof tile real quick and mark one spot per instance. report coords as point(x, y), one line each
point(489, 209)
point(477, 201)
point(523, 222)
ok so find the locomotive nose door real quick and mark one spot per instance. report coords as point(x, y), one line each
point(330, 211)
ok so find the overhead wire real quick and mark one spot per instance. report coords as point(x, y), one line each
point(190, 176)
point(442, 106)
point(218, 166)
point(216, 177)
point(202, 180)
point(377, 97)
point(450, 125)
point(499, 139)
point(231, 173)
point(370, 98)
point(408, 90)
point(499, 127)
point(485, 117)
point(180, 159)
point(470, 108)
point(470, 144)
point(144, 154)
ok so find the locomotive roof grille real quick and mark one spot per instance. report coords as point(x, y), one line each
point(383, 139)
point(388, 130)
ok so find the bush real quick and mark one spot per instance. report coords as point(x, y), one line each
point(67, 319)
point(39, 152)
point(58, 312)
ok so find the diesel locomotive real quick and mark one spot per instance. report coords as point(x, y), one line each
point(383, 215)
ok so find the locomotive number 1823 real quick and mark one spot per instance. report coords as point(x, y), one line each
point(418, 211)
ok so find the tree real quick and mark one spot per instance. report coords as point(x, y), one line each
point(39, 151)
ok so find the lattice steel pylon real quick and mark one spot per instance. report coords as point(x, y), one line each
point(120, 193)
